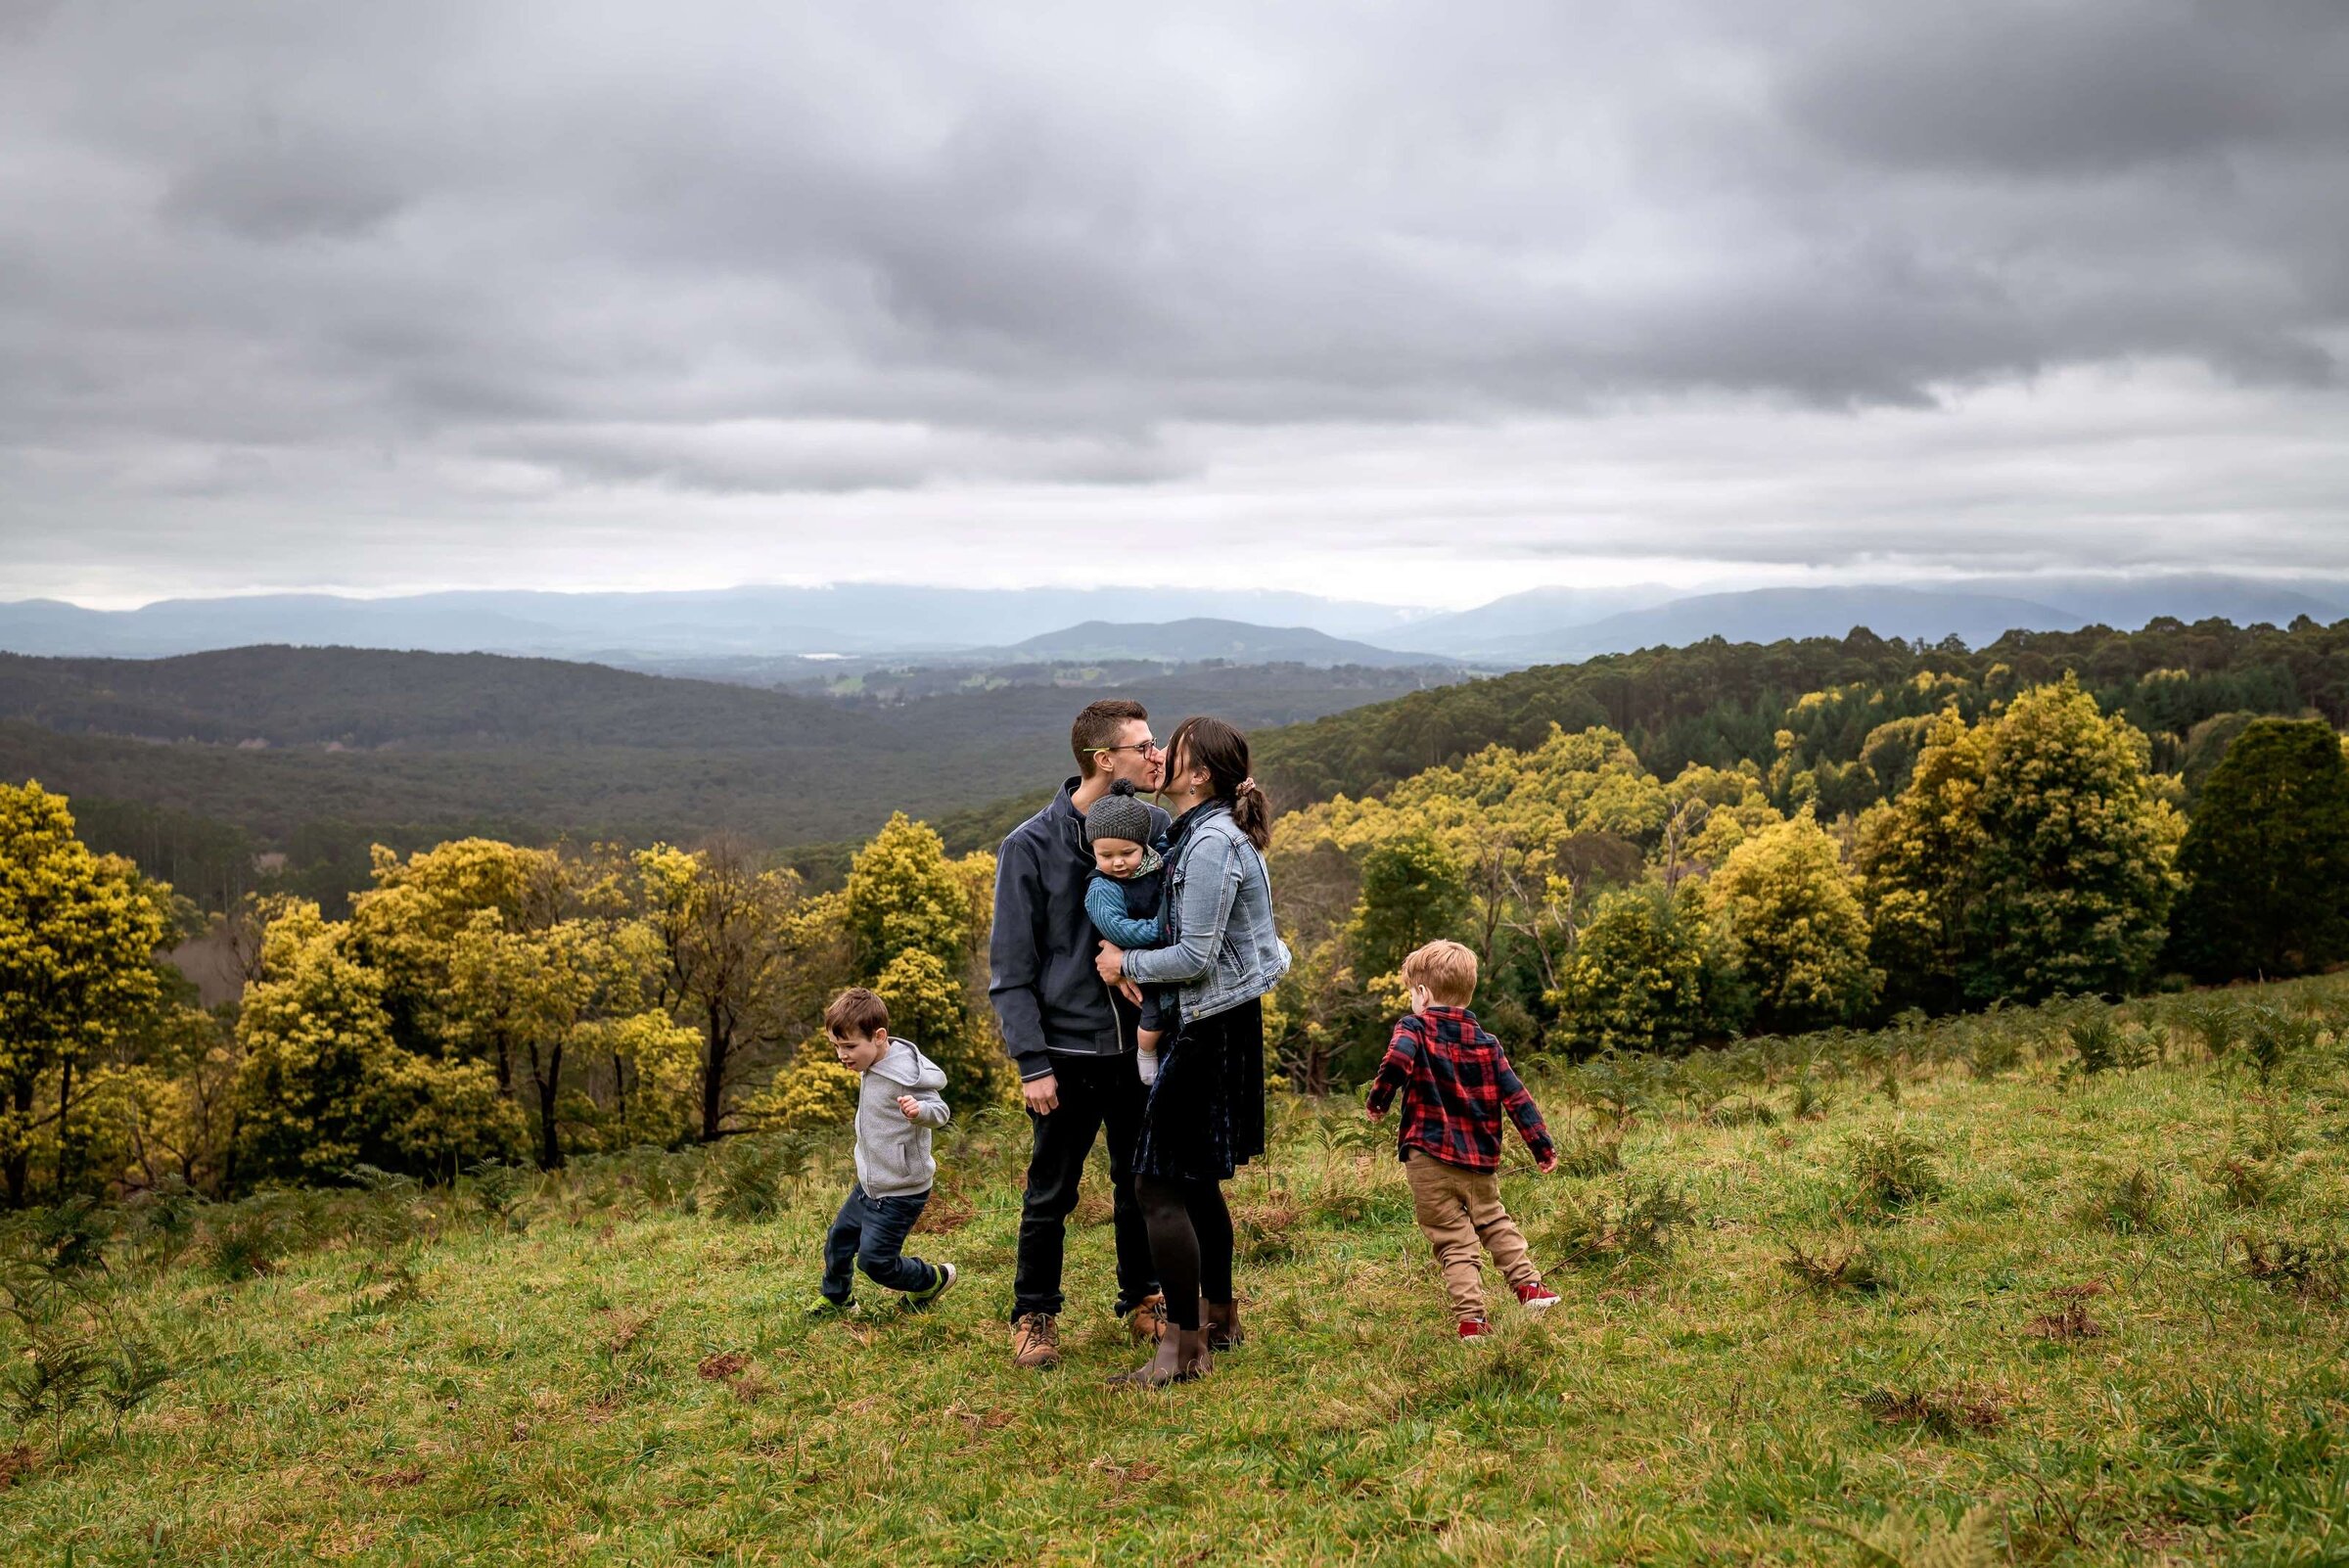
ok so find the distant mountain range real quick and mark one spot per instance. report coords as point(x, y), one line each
point(963, 625)
point(1202, 638)
point(852, 618)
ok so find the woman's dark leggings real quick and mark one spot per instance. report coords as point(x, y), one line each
point(1190, 1242)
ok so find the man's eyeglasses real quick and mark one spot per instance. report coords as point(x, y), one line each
point(1145, 744)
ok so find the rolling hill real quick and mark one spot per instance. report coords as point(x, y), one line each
point(1772, 614)
point(194, 764)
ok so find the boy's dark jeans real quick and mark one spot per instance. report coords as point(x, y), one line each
point(1098, 1093)
point(871, 1232)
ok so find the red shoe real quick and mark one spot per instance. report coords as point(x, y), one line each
point(1537, 1297)
point(1474, 1328)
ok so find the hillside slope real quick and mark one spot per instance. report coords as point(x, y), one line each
point(1722, 703)
point(613, 1364)
point(194, 764)
point(367, 697)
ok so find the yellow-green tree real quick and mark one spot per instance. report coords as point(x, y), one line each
point(906, 897)
point(547, 1000)
point(406, 926)
point(903, 892)
point(322, 1087)
point(1583, 782)
point(2030, 856)
point(1636, 979)
point(78, 934)
point(1791, 922)
point(729, 930)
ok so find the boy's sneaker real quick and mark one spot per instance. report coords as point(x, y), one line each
point(825, 1306)
point(1537, 1297)
point(1474, 1328)
point(920, 1300)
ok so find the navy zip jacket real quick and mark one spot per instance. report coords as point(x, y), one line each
point(1048, 995)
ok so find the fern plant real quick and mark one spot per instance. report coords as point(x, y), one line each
point(1893, 1168)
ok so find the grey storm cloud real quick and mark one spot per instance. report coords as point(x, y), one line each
point(362, 261)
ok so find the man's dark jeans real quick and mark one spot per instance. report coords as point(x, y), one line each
point(870, 1233)
point(1096, 1093)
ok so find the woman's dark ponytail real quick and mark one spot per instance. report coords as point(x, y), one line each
point(1213, 745)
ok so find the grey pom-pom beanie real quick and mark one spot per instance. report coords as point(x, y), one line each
point(1119, 814)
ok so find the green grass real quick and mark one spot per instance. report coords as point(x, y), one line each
point(630, 1378)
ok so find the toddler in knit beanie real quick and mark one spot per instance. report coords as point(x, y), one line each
point(1126, 901)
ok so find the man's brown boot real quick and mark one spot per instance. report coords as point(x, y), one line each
point(1222, 1322)
point(1148, 1318)
point(1181, 1357)
point(1035, 1341)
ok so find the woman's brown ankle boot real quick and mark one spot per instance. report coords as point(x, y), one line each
point(1182, 1355)
point(1222, 1322)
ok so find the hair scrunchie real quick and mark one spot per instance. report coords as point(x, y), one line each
point(1246, 786)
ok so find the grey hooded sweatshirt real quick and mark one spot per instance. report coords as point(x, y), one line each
point(893, 1154)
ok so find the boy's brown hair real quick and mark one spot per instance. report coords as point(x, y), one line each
point(1098, 725)
point(857, 1014)
point(1447, 969)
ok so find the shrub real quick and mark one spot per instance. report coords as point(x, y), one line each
point(2314, 1271)
point(2096, 1043)
point(2131, 1203)
point(244, 1244)
point(1945, 1412)
point(1811, 1099)
point(1615, 1085)
point(499, 1190)
point(1893, 1168)
point(1590, 1154)
point(1639, 1222)
point(2247, 1182)
point(2273, 1037)
point(750, 1181)
point(2213, 1021)
point(1855, 1267)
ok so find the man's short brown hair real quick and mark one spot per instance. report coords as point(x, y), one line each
point(1447, 969)
point(1098, 725)
point(857, 1014)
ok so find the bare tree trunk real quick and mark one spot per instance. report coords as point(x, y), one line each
point(550, 1145)
point(65, 1131)
point(19, 1158)
point(713, 1074)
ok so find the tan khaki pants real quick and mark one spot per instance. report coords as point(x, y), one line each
point(1459, 1211)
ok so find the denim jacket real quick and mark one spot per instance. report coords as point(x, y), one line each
point(1223, 948)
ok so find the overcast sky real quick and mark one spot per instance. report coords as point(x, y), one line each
point(1416, 303)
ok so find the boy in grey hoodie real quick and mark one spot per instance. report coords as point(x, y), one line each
point(898, 1104)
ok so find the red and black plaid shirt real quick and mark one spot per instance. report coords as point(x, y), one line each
point(1455, 1081)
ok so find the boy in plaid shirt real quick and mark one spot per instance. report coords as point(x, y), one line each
point(1455, 1082)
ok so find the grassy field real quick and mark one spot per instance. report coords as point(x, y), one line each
point(2039, 1315)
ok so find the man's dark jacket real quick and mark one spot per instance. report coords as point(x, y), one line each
point(1048, 996)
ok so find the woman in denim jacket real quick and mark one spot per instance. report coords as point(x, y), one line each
point(1206, 1116)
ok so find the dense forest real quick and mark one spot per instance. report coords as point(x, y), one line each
point(278, 767)
point(1821, 707)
